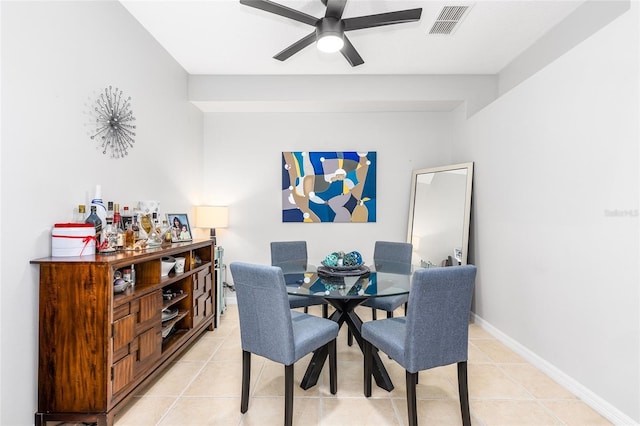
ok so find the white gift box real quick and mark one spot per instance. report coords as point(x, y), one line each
point(73, 239)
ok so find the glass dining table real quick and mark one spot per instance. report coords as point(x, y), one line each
point(344, 290)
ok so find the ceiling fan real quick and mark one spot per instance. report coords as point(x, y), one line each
point(330, 29)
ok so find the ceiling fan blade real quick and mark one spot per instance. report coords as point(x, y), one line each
point(281, 10)
point(388, 18)
point(296, 47)
point(351, 54)
point(335, 8)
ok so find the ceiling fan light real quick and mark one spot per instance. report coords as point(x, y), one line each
point(330, 43)
point(329, 35)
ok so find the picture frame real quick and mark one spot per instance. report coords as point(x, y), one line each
point(180, 228)
point(328, 186)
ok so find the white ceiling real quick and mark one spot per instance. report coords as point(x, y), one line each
point(225, 37)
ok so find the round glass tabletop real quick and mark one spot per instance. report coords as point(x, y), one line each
point(375, 281)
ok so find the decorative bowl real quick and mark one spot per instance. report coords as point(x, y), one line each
point(168, 314)
point(343, 267)
point(120, 285)
point(166, 331)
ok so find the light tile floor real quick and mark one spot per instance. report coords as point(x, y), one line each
point(203, 388)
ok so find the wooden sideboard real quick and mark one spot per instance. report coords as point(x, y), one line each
point(97, 347)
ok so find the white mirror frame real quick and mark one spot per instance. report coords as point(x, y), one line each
point(467, 203)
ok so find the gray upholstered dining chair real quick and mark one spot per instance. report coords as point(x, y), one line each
point(292, 256)
point(397, 257)
point(270, 329)
point(434, 333)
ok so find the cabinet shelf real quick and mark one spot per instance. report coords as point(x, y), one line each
point(141, 289)
point(113, 343)
point(174, 339)
point(174, 300)
point(174, 320)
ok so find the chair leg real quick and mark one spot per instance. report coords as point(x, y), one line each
point(246, 379)
point(306, 309)
point(411, 398)
point(368, 360)
point(325, 310)
point(349, 338)
point(389, 315)
point(333, 367)
point(373, 314)
point(288, 395)
point(463, 391)
point(405, 308)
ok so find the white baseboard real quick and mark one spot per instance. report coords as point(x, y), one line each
point(607, 410)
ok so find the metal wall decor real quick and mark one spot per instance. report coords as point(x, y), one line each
point(114, 126)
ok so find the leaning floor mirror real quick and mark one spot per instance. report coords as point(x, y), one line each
point(439, 214)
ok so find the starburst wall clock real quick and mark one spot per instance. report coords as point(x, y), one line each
point(115, 124)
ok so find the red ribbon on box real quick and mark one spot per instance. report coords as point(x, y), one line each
point(86, 240)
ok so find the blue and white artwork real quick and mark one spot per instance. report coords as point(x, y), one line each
point(328, 186)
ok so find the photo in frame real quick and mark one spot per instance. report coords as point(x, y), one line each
point(180, 229)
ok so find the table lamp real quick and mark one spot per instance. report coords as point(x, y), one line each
point(212, 217)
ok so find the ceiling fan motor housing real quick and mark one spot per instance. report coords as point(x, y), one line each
point(331, 26)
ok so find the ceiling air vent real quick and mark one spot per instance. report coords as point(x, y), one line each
point(448, 18)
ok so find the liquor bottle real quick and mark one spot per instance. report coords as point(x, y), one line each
point(81, 214)
point(126, 217)
point(110, 211)
point(129, 237)
point(156, 223)
point(154, 238)
point(117, 222)
point(135, 227)
point(97, 224)
point(109, 235)
point(167, 233)
point(101, 210)
point(133, 276)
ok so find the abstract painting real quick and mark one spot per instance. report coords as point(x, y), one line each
point(328, 186)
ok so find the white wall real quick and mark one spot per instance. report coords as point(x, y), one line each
point(243, 170)
point(588, 18)
point(55, 55)
point(558, 272)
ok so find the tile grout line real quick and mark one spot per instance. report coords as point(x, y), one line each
point(534, 398)
point(195, 376)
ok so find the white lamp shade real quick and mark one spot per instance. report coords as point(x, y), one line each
point(212, 217)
